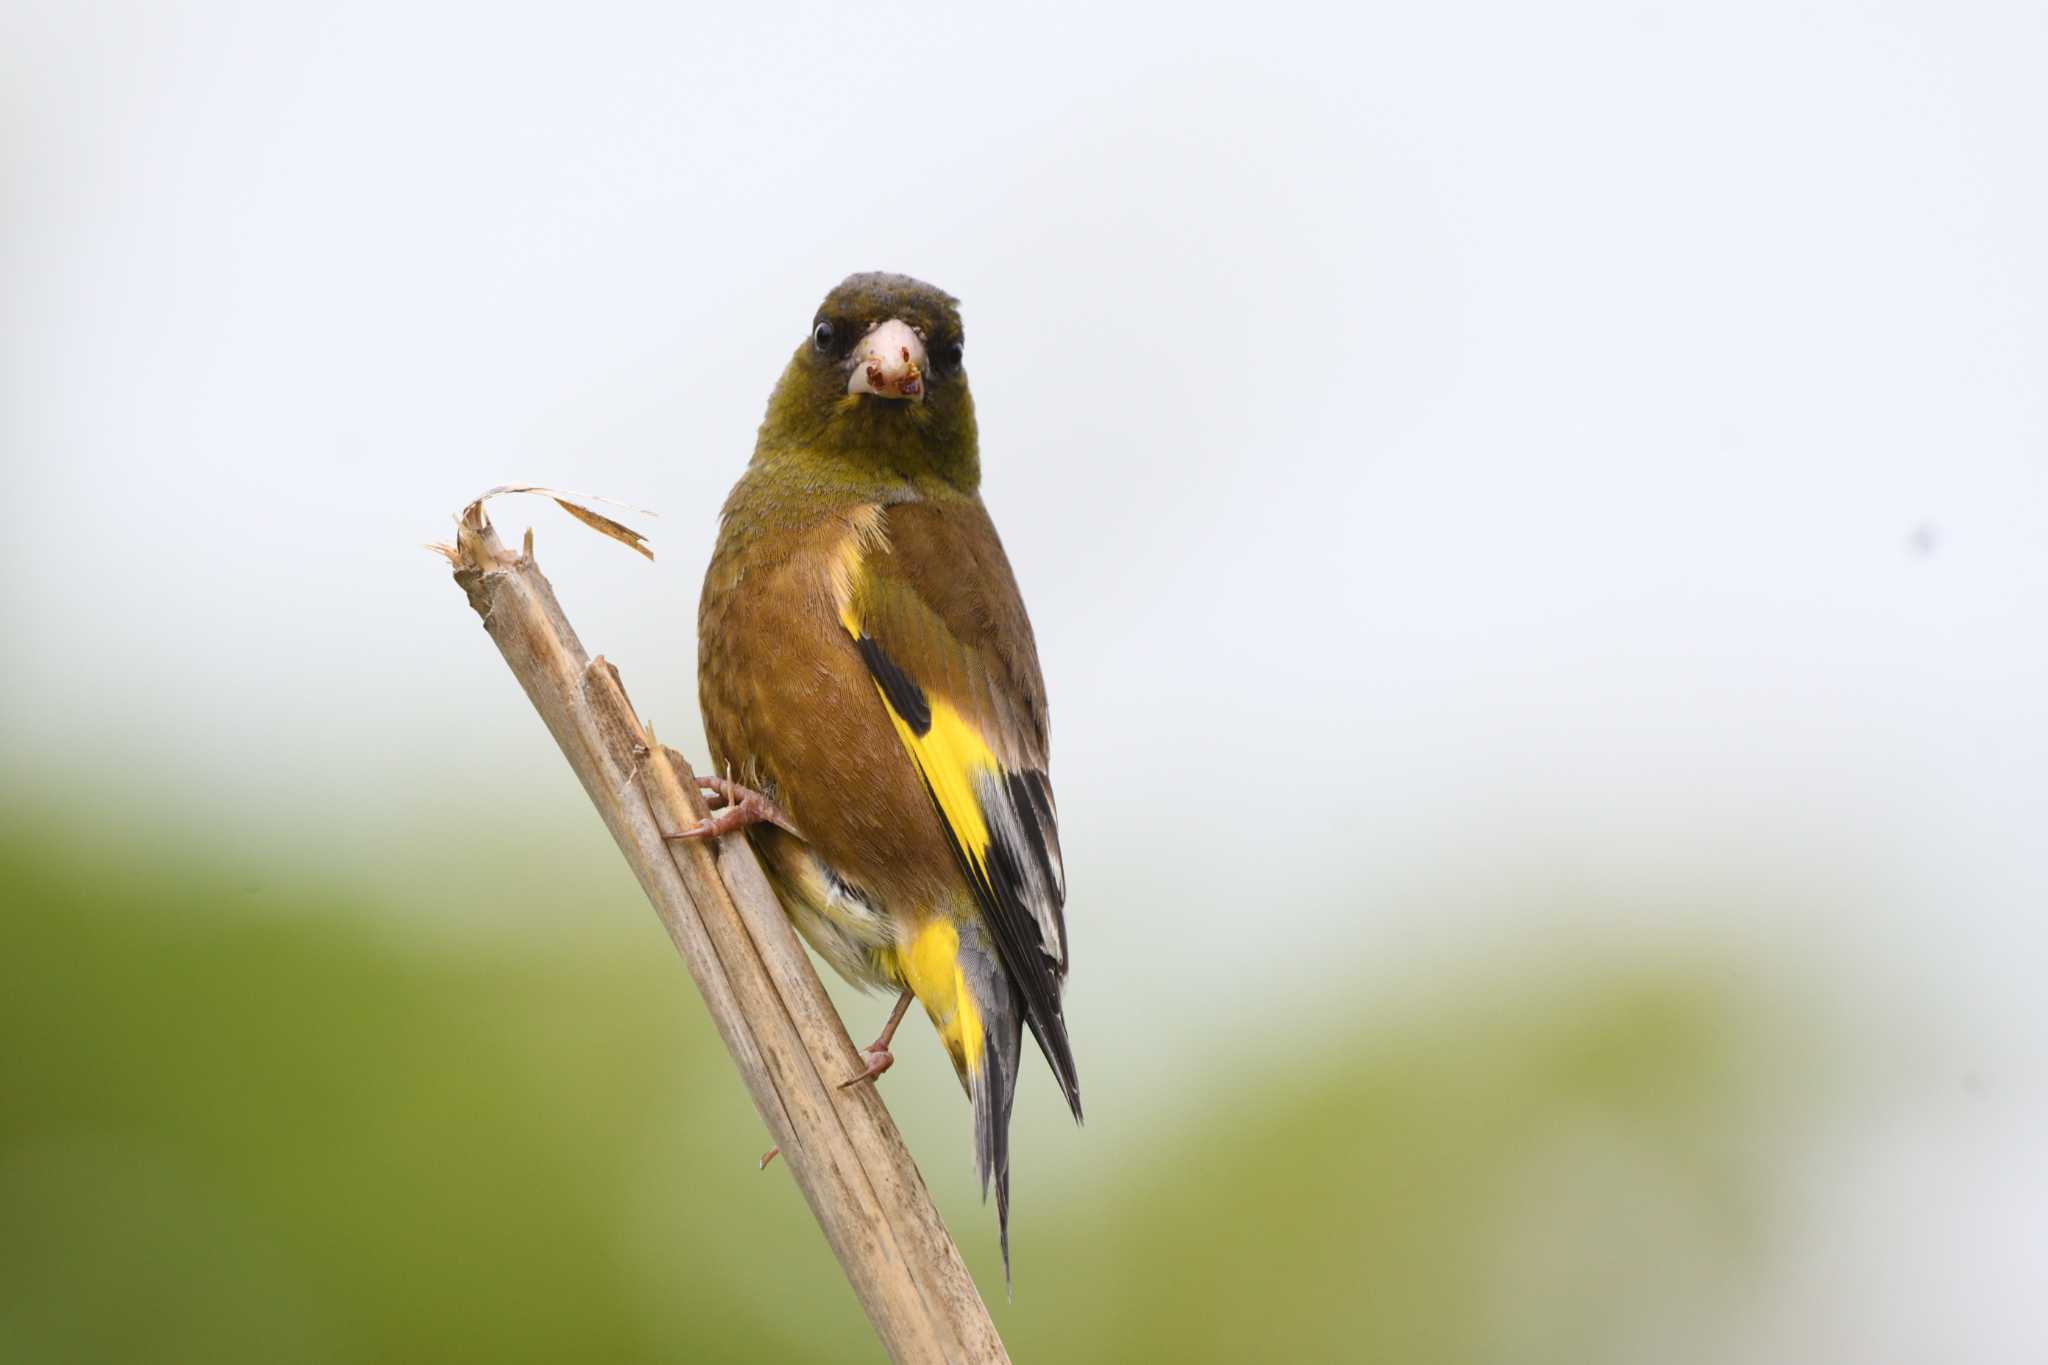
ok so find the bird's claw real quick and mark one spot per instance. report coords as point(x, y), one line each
point(725, 822)
point(736, 807)
point(879, 1059)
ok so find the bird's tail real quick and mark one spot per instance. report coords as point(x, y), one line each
point(957, 976)
point(993, 1088)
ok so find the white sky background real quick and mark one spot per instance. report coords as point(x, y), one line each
point(1467, 458)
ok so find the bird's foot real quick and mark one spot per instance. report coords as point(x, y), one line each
point(877, 1054)
point(879, 1059)
point(735, 807)
point(767, 1157)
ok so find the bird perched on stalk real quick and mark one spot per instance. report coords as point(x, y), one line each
point(872, 697)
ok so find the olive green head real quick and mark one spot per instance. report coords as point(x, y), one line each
point(878, 381)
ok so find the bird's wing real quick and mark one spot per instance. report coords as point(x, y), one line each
point(934, 611)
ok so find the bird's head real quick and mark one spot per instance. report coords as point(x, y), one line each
point(879, 379)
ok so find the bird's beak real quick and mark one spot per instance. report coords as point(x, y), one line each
point(889, 362)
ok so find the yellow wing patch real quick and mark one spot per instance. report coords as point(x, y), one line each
point(948, 755)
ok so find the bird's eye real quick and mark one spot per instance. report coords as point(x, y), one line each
point(950, 352)
point(821, 335)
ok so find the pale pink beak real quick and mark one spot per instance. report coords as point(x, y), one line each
point(889, 362)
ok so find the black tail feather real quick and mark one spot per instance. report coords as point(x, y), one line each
point(1051, 1033)
point(993, 1092)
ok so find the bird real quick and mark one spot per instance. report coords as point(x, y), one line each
point(874, 706)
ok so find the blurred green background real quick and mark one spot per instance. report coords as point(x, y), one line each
point(247, 1118)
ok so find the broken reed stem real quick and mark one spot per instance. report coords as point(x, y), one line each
point(765, 999)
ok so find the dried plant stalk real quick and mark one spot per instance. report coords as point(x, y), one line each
point(763, 994)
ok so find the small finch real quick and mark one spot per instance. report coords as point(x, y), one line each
point(872, 696)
